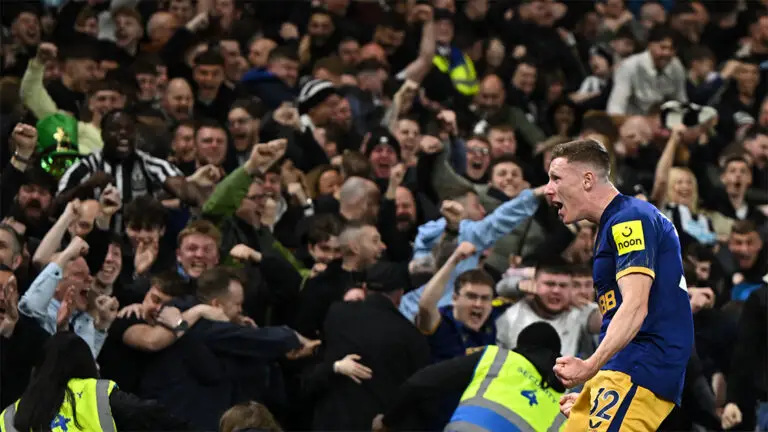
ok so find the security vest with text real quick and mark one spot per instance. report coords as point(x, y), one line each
point(460, 68)
point(91, 406)
point(506, 395)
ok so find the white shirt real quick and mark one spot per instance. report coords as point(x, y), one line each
point(569, 325)
point(638, 85)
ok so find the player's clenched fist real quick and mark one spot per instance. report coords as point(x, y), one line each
point(572, 371)
point(47, 52)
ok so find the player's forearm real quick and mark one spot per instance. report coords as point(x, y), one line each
point(624, 326)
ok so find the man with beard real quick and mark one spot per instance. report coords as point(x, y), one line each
point(319, 41)
point(178, 102)
point(549, 299)
point(244, 120)
point(136, 171)
point(405, 210)
point(489, 104)
point(31, 187)
point(33, 202)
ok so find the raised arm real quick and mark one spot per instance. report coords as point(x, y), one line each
point(52, 240)
point(486, 232)
point(659, 192)
point(33, 92)
point(228, 195)
point(34, 303)
point(418, 69)
point(429, 316)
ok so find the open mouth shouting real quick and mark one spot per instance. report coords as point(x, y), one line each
point(476, 317)
point(560, 208)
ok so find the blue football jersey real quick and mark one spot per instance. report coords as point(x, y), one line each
point(634, 237)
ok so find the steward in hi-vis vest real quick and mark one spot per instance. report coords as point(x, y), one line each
point(502, 390)
point(507, 393)
point(91, 409)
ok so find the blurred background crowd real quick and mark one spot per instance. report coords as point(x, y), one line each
point(270, 214)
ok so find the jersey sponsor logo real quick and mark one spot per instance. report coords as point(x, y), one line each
point(628, 236)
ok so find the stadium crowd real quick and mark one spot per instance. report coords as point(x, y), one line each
point(271, 214)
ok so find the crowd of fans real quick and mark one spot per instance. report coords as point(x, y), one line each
point(270, 214)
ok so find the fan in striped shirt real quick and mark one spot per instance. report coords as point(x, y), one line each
point(134, 172)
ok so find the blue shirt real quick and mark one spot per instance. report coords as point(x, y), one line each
point(38, 303)
point(483, 234)
point(452, 339)
point(634, 237)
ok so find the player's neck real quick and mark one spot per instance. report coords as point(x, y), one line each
point(600, 200)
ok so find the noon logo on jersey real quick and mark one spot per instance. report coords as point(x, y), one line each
point(628, 236)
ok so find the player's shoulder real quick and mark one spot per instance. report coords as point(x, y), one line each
point(632, 224)
point(629, 208)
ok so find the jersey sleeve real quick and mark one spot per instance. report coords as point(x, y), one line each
point(634, 236)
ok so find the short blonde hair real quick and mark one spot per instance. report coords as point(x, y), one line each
point(248, 415)
point(202, 227)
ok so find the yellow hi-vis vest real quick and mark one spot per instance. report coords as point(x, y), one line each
point(463, 76)
point(505, 395)
point(91, 404)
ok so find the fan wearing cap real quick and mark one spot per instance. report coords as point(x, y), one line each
point(370, 350)
point(317, 103)
point(27, 191)
point(503, 390)
point(383, 150)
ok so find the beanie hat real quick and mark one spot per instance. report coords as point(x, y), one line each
point(57, 143)
point(313, 93)
point(381, 135)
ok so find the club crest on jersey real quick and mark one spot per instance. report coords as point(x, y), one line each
point(628, 236)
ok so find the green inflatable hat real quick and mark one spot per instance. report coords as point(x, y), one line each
point(57, 143)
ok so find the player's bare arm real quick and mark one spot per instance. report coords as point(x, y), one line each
point(626, 323)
